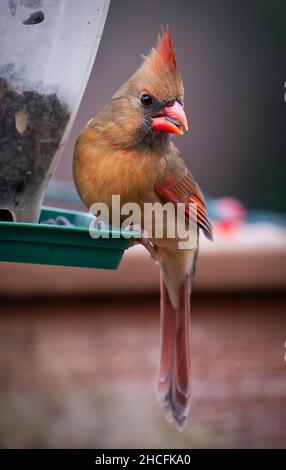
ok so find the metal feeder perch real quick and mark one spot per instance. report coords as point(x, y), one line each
point(47, 51)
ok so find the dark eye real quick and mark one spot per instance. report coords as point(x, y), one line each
point(146, 100)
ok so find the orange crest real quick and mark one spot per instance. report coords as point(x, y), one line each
point(164, 54)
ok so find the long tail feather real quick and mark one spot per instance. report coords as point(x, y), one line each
point(174, 381)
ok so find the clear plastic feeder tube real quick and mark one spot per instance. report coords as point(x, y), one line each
point(47, 51)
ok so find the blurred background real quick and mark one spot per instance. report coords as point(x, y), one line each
point(79, 347)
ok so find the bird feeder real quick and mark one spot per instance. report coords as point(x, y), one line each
point(47, 51)
point(62, 245)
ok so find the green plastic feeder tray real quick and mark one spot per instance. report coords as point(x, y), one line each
point(62, 245)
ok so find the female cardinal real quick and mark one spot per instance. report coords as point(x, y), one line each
point(126, 150)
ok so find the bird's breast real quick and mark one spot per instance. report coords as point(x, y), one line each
point(101, 172)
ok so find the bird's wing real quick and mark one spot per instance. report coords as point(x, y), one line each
point(179, 186)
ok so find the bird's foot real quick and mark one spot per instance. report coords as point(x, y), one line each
point(155, 252)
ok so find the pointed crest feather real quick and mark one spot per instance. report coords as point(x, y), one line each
point(164, 53)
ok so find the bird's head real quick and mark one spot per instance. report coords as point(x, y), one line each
point(149, 106)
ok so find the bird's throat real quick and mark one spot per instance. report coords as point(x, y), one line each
point(152, 141)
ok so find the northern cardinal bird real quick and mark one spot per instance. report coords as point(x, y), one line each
point(126, 150)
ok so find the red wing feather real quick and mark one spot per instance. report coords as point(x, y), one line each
point(182, 189)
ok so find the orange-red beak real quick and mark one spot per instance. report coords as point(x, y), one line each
point(172, 120)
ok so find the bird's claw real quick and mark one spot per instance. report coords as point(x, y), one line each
point(154, 251)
